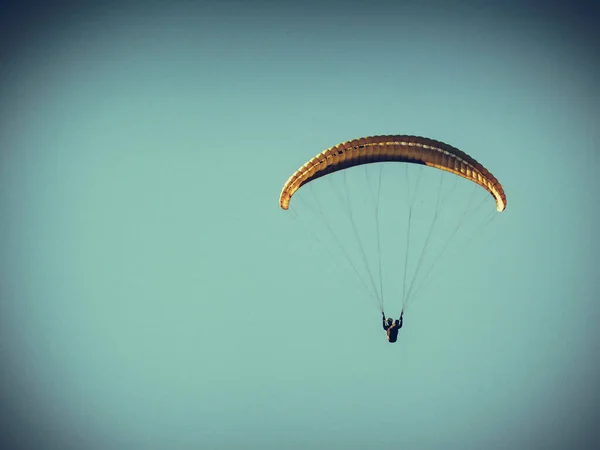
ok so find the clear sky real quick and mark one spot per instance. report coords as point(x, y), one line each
point(155, 296)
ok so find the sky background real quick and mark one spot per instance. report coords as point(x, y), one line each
point(153, 294)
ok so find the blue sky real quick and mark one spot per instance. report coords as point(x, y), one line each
point(154, 295)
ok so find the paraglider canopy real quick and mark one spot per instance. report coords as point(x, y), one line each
point(401, 148)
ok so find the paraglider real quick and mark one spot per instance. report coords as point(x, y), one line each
point(392, 327)
point(411, 151)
